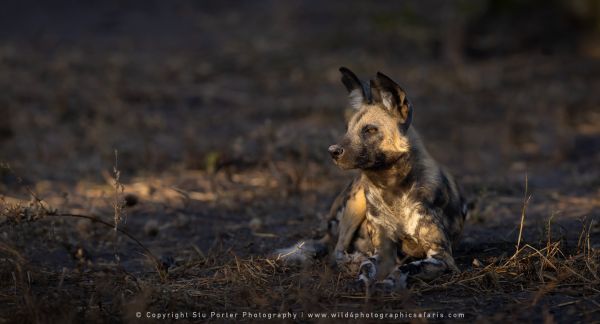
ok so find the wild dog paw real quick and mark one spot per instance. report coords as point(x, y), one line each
point(367, 270)
point(340, 258)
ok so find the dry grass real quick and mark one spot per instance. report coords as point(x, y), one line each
point(219, 280)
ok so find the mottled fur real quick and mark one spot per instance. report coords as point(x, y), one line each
point(402, 205)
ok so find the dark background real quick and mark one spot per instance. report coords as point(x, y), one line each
point(222, 114)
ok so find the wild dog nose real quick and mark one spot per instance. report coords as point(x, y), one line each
point(336, 151)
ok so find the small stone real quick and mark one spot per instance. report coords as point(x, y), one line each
point(255, 224)
point(151, 228)
point(131, 200)
point(477, 263)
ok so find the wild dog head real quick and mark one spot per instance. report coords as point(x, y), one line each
point(377, 132)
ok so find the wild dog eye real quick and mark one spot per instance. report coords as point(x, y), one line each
point(369, 129)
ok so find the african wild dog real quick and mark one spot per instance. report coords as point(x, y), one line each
point(401, 205)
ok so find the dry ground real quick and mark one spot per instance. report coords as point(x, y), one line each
point(221, 116)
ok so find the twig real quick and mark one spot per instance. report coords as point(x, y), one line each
point(38, 200)
point(298, 248)
point(523, 211)
point(118, 201)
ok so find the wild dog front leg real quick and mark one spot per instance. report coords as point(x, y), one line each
point(382, 261)
point(350, 215)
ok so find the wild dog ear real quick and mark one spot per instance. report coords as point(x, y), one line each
point(393, 98)
point(358, 92)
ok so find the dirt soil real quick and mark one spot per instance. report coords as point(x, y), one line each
point(221, 115)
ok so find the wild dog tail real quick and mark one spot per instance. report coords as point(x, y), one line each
point(303, 251)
